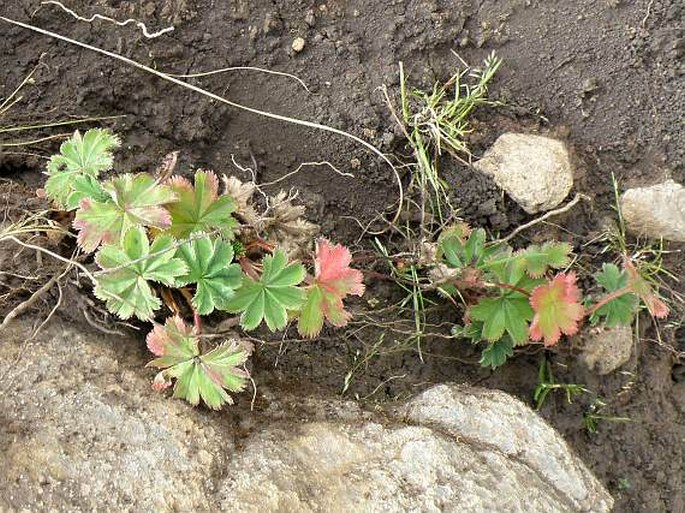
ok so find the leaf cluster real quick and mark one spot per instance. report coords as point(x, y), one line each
point(151, 233)
point(518, 297)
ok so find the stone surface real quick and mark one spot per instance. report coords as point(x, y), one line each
point(80, 429)
point(534, 170)
point(607, 349)
point(656, 211)
point(298, 44)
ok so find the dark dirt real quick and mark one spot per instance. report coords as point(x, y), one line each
point(608, 76)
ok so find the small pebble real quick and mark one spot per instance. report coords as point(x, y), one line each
point(298, 44)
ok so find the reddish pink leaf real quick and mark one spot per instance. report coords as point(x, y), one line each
point(334, 280)
point(644, 290)
point(171, 339)
point(557, 309)
point(333, 272)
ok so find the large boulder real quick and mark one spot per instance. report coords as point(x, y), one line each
point(80, 429)
point(534, 170)
point(656, 211)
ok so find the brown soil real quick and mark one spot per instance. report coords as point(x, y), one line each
point(608, 76)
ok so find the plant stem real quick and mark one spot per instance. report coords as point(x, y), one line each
point(248, 268)
point(609, 297)
point(508, 287)
point(197, 322)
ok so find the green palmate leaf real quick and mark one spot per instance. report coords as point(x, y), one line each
point(508, 313)
point(199, 208)
point(86, 186)
point(271, 296)
point(127, 268)
point(136, 200)
point(87, 155)
point(461, 247)
point(551, 255)
point(496, 353)
point(198, 376)
point(473, 331)
point(621, 310)
point(209, 266)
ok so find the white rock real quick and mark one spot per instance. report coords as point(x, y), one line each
point(534, 170)
point(96, 442)
point(656, 211)
point(607, 349)
point(298, 44)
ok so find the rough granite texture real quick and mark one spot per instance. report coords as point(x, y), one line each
point(81, 430)
point(606, 349)
point(534, 170)
point(656, 211)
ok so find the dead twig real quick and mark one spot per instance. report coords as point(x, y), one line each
point(542, 218)
point(25, 305)
point(242, 68)
point(29, 340)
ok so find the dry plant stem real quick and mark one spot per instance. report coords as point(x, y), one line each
point(81, 267)
point(544, 217)
point(35, 332)
point(243, 68)
point(4, 106)
point(301, 166)
point(94, 17)
point(221, 99)
point(15, 144)
point(25, 305)
point(59, 123)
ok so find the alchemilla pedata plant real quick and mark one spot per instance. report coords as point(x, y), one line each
point(158, 237)
point(514, 298)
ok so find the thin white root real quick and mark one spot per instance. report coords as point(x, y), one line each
point(649, 11)
point(299, 168)
point(25, 305)
point(81, 267)
point(544, 217)
point(55, 280)
point(94, 17)
point(221, 99)
point(243, 68)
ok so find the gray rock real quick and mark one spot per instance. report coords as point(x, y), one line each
point(534, 170)
point(80, 429)
point(656, 211)
point(459, 449)
point(606, 349)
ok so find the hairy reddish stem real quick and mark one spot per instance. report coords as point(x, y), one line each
point(248, 268)
point(197, 321)
point(508, 287)
point(609, 297)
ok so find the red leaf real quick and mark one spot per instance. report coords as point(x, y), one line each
point(333, 272)
point(557, 309)
point(644, 290)
point(173, 339)
point(333, 281)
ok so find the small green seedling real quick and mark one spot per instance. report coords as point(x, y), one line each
point(623, 484)
point(593, 415)
point(152, 234)
point(437, 122)
point(547, 384)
